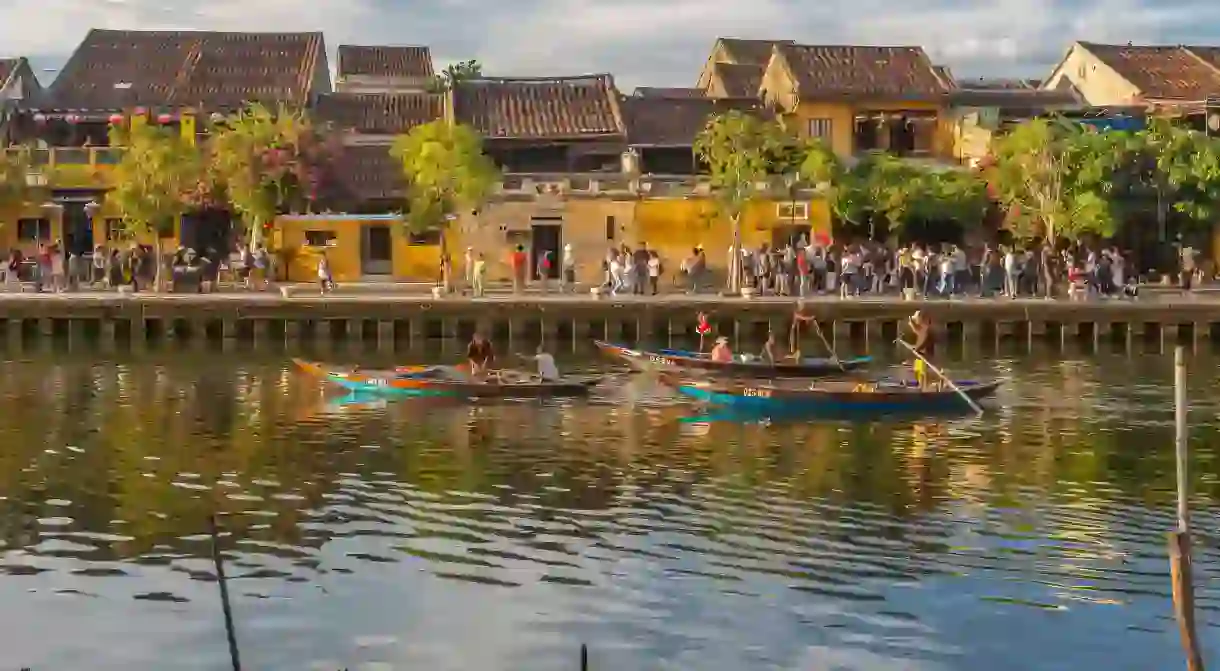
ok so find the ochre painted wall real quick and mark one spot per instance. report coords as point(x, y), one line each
point(843, 122)
point(8, 227)
point(408, 262)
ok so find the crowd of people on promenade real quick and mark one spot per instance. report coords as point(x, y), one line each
point(53, 269)
point(806, 269)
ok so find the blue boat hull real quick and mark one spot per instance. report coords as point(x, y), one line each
point(758, 406)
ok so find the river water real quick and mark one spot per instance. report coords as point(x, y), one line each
point(417, 535)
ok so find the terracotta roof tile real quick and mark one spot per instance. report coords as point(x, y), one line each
point(1160, 72)
point(379, 113)
point(674, 122)
point(368, 172)
point(180, 69)
point(556, 108)
point(739, 81)
point(659, 92)
point(945, 75)
point(384, 61)
point(896, 73)
point(1209, 55)
point(750, 52)
point(7, 67)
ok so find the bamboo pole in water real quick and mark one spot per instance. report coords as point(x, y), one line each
point(1179, 540)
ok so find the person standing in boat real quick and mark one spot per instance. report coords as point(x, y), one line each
point(924, 344)
point(547, 370)
point(480, 355)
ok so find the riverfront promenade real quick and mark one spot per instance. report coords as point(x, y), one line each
point(390, 317)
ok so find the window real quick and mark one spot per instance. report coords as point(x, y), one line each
point(114, 229)
point(320, 238)
point(611, 227)
point(34, 229)
point(430, 237)
point(792, 210)
point(821, 129)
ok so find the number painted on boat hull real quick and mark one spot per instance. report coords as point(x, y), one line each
point(756, 393)
point(660, 360)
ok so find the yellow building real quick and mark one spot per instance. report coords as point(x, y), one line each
point(859, 99)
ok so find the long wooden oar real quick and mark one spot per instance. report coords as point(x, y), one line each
point(969, 401)
point(830, 348)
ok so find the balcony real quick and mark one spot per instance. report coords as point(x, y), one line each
point(70, 167)
point(560, 185)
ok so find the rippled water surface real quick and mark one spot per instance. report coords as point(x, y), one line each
point(418, 535)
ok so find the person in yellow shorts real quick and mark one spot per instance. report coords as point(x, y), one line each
point(921, 327)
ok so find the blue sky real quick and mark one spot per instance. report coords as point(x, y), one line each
point(641, 42)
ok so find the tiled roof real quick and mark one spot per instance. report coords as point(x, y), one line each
point(658, 92)
point(997, 84)
point(674, 122)
point(895, 73)
point(750, 52)
point(379, 113)
point(1014, 98)
point(739, 81)
point(180, 69)
point(556, 108)
point(384, 61)
point(369, 172)
point(1210, 55)
point(945, 75)
point(7, 67)
point(1160, 72)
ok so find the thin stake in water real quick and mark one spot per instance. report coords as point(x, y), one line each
point(1180, 562)
point(218, 562)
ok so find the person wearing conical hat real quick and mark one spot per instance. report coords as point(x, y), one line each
point(722, 353)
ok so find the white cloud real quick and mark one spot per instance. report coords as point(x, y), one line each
point(640, 41)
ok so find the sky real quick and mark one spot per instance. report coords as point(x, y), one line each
point(640, 42)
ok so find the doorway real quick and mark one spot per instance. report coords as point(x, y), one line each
point(546, 235)
point(207, 230)
point(77, 229)
point(376, 250)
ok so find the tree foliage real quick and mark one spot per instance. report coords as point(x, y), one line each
point(152, 182)
point(1054, 177)
point(454, 74)
point(265, 162)
point(446, 172)
point(1167, 167)
point(738, 150)
point(15, 188)
point(884, 193)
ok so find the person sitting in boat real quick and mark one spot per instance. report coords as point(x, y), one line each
point(480, 355)
point(547, 370)
point(921, 327)
point(722, 353)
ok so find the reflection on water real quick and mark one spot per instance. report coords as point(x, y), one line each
point(362, 531)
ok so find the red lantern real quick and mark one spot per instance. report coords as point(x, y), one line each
point(140, 111)
point(72, 118)
point(40, 118)
point(164, 118)
point(116, 119)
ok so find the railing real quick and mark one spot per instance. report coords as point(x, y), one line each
point(542, 184)
point(63, 156)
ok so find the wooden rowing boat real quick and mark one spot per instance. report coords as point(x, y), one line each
point(450, 381)
point(830, 396)
point(683, 360)
point(322, 370)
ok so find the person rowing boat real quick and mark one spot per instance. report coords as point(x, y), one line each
point(924, 345)
point(480, 355)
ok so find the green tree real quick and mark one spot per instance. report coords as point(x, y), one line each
point(454, 74)
point(882, 191)
point(15, 189)
point(738, 150)
point(265, 162)
point(152, 183)
point(1179, 169)
point(1053, 176)
point(446, 173)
